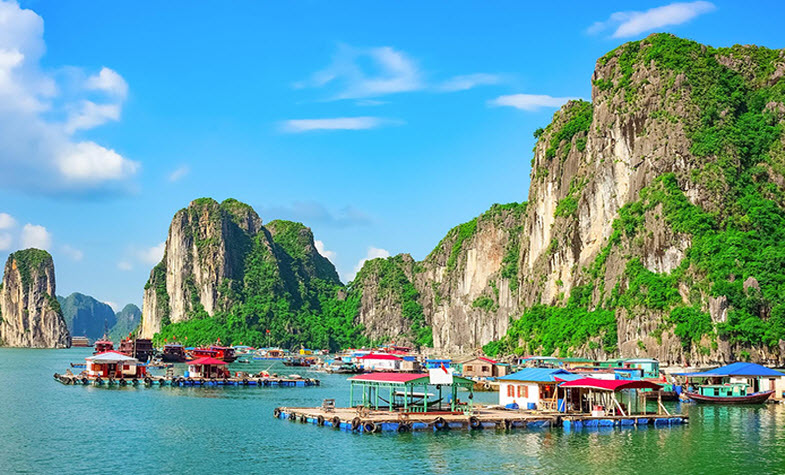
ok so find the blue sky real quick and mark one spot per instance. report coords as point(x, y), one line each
point(379, 125)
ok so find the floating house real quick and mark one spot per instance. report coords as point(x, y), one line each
point(650, 368)
point(380, 362)
point(113, 364)
point(409, 392)
point(482, 368)
point(602, 397)
point(207, 368)
point(532, 388)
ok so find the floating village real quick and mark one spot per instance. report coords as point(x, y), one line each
point(394, 389)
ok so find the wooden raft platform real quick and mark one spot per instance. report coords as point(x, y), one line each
point(633, 420)
point(352, 420)
point(153, 381)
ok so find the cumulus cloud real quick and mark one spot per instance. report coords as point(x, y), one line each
point(373, 253)
point(109, 82)
point(316, 213)
point(152, 255)
point(469, 81)
point(34, 235)
point(114, 305)
point(124, 266)
point(40, 152)
point(338, 123)
point(631, 23)
point(179, 173)
point(5, 241)
point(330, 255)
point(529, 102)
point(72, 252)
point(357, 73)
point(7, 221)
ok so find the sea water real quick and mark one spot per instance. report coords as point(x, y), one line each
point(47, 427)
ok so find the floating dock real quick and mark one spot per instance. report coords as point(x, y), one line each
point(153, 381)
point(361, 421)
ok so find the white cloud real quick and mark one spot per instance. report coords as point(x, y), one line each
point(5, 241)
point(87, 162)
point(337, 123)
point(108, 81)
point(373, 253)
point(39, 151)
point(92, 115)
point(124, 266)
point(330, 255)
point(72, 252)
point(7, 221)
point(152, 255)
point(313, 212)
point(530, 102)
point(36, 236)
point(114, 305)
point(632, 23)
point(179, 173)
point(469, 81)
point(358, 73)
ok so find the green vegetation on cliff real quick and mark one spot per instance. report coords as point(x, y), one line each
point(734, 121)
point(29, 259)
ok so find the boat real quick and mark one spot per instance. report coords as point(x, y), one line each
point(299, 361)
point(103, 345)
point(734, 393)
point(223, 353)
point(341, 367)
point(173, 353)
point(140, 348)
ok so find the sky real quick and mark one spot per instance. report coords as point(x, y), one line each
point(380, 125)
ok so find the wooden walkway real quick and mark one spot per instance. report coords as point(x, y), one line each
point(159, 381)
point(369, 421)
point(350, 419)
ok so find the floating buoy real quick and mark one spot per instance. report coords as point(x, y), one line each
point(369, 426)
point(475, 423)
point(336, 421)
point(277, 412)
point(440, 423)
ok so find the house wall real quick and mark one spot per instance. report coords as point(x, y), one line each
point(380, 364)
point(477, 369)
point(521, 393)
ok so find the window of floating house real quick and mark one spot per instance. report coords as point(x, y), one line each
point(484, 369)
point(510, 390)
point(523, 391)
point(468, 368)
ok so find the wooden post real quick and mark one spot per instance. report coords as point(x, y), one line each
point(351, 394)
point(391, 398)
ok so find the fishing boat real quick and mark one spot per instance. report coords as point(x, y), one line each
point(734, 393)
point(342, 367)
point(173, 353)
point(103, 345)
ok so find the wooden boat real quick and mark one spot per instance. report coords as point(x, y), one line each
point(139, 348)
point(344, 368)
point(173, 353)
point(103, 345)
point(727, 394)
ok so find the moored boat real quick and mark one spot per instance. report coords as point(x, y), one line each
point(173, 353)
point(223, 353)
point(728, 394)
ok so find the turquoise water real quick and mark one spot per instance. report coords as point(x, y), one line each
point(46, 427)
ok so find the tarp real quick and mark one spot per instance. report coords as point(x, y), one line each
point(206, 361)
point(540, 375)
point(736, 369)
point(609, 384)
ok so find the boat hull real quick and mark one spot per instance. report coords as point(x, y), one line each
point(756, 398)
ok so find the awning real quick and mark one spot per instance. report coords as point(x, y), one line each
point(736, 369)
point(405, 379)
point(111, 357)
point(206, 361)
point(608, 384)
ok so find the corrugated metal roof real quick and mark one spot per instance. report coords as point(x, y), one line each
point(737, 369)
point(540, 375)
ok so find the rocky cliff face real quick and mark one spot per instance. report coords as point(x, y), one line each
point(86, 316)
point(221, 262)
point(649, 211)
point(128, 320)
point(31, 315)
